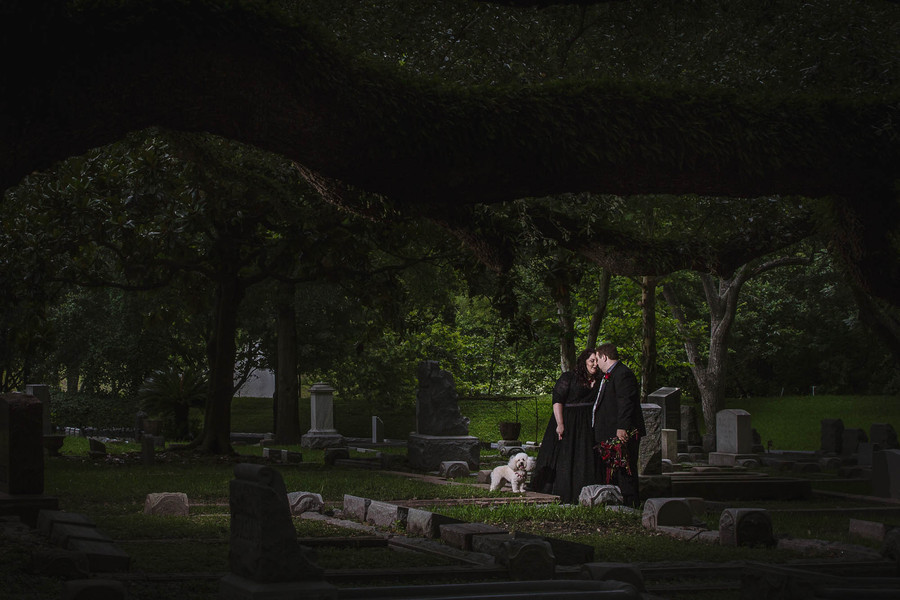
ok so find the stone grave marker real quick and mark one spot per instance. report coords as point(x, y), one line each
point(669, 399)
point(650, 452)
point(667, 512)
point(886, 474)
point(322, 433)
point(733, 431)
point(442, 433)
point(600, 495)
point(850, 440)
point(745, 527)
point(172, 504)
point(832, 432)
point(21, 444)
point(264, 556)
point(377, 430)
point(301, 502)
point(884, 435)
point(669, 446)
point(452, 469)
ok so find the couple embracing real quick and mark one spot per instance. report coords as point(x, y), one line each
point(596, 417)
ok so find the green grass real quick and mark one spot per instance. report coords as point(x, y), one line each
point(794, 422)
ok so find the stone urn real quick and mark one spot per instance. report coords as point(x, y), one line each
point(509, 430)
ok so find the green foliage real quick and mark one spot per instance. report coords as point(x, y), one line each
point(170, 394)
point(93, 410)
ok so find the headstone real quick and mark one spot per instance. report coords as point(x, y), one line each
point(884, 435)
point(832, 432)
point(669, 446)
point(21, 444)
point(301, 502)
point(483, 476)
point(437, 405)
point(334, 454)
point(870, 530)
point(148, 451)
point(355, 507)
point(96, 448)
point(745, 527)
point(886, 474)
point(669, 399)
point(322, 433)
point(650, 453)
point(377, 430)
point(264, 547)
point(733, 431)
point(452, 469)
point(709, 442)
point(600, 495)
point(385, 514)
point(690, 430)
point(864, 453)
point(169, 504)
point(423, 523)
point(42, 393)
point(850, 440)
point(666, 512)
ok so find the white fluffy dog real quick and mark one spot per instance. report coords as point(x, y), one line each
point(513, 473)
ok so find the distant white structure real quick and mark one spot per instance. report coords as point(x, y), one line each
point(260, 384)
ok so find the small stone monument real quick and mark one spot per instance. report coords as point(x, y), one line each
point(650, 453)
point(265, 558)
point(733, 432)
point(600, 495)
point(886, 474)
point(690, 431)
point(377, 430)
point(441, 431)
point(884, 435)
point(745, 527)
point(669, 438)
point(322, 433)
point(832, 434)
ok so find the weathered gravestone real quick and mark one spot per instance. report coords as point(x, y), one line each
point(322, 433)
point(886, 474)
point(265, 558)
point(745, 527)
point(851, 439)
point(884, 435)
point(600, 495)
point(832, 433)
point(441, 431)
point(650, 452)
point(669, 446)
point(21, 444)
point(169, 504)
point(733, 432)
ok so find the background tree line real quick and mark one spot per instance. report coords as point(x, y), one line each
point(384, 243)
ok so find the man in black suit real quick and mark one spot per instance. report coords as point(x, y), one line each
point(618, 414)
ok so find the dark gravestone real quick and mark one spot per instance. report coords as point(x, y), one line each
point(264, 545)
point(850, 440)
point(437, 406)
point(832, 432)
point(884, 435)
point(21, 444)
point(669, 399)
point(886, 474)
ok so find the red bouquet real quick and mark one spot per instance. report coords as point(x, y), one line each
point(614, 454)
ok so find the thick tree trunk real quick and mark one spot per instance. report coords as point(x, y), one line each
point(221, 351)
point(566, 330)
point(648, 344)
point(599, 308)
point(287, 379)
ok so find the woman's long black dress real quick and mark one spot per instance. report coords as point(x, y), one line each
point(564, 466)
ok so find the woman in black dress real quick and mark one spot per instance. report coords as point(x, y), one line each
point(566, 460)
